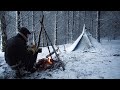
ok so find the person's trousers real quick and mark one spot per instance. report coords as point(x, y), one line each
point(31, 62)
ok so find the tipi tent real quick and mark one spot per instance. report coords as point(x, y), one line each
point(84, 42)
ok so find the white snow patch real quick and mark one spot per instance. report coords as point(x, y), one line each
point(97, 64)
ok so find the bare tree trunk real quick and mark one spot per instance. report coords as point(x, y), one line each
point(68, 29)
point(21, 19)
point(98, 27)
point(0, 34)
point(114, 34)
point(91, 29)
point(3, 29)
point(18, 20)
point(55, 28)
point(33, 25)
point(85, 17)
point(79, 20)
point(71, 33)
point(28, 24)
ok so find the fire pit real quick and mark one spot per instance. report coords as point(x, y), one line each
point(48, 63)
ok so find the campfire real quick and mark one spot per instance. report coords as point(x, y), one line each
point(44, 63)
point(47, 63)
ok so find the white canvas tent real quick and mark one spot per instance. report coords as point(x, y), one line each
point(84, 42)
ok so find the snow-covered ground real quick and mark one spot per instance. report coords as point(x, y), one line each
point(96, 63)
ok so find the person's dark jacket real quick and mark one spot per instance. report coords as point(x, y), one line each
point(16, 52)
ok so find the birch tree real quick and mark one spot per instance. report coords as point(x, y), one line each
point(55, 28)
point(33, 25)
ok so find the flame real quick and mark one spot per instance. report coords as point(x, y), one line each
point(49, 60)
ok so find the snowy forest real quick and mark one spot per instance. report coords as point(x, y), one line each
point(69, 30)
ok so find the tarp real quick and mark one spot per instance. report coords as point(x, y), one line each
point(83, 42)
